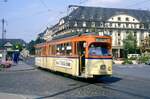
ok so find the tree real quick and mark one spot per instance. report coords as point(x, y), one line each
point(32, 43)
point(31, 48)
point(130, 44)
point(17, 46)
point(39, 40)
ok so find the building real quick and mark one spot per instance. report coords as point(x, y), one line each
point(105, 21)
point(8, 43)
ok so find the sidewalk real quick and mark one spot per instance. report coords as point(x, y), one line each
point(21, 66)
point(15, 96)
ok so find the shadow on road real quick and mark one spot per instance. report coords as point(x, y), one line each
point(108, 80)
point(103, 79)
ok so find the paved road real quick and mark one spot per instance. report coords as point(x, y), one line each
point(42, 84)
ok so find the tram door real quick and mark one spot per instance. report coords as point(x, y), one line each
point(81, 53)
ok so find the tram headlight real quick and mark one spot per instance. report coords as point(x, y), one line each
point(103, 67)
point(109, 68)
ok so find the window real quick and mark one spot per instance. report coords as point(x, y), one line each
point(75, 24)
point(87, 30)
point(69, 49)
point(127, 25)
point(118, 42)
point(101, 24)
point(84, 24)
point(133, 19)
point(127, 19)
point(119, 24)
point(44, 51)
point(49, 50)
point(53, 49)
point(93, 24)
point(135, 33)
point(98, 49)
point(38, 51)
point(64, 49)
point(82, 16)
point(119, 18)
point(110, 24)
point(135, 26)
point(110, 32)
point(58, 49)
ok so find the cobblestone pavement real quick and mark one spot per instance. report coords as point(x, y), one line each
point(41, 84)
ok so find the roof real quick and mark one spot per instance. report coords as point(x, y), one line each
point(42, 33)
point(100, 13)
point(12, 41)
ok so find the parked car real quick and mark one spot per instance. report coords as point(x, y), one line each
point(148, 62)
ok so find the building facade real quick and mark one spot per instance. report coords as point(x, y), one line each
point(104, 21)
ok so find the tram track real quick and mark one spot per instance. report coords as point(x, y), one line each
point(120, 90)
point(126, 86)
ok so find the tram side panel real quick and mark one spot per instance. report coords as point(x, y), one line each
point(50, 63)
point(64, 65)
point(38, 61)
point(98, 67)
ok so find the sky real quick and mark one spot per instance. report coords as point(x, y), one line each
point(27, 18)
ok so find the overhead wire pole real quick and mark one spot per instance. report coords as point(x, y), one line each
point(3, 38)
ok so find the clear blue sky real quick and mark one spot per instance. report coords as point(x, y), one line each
point(26, 18)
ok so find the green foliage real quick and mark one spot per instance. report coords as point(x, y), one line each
point(130, 44)
point(143, 59)
point(17, 46)
point(31, 48)
point(126, 61)
point(32, 43)
point(133, 58)
point(39, 40)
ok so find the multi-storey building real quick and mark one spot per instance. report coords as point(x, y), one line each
point(105, 21)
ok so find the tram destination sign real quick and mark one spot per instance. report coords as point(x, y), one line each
point(102, 39)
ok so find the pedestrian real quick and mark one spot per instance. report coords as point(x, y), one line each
point(15, 57)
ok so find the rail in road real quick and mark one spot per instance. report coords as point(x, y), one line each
point(109, 87)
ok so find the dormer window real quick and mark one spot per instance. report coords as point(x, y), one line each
point(84, 24)
point(75, 24)
point(91, 17)
point(119, 18)
point(127, 19)
point(82, 16)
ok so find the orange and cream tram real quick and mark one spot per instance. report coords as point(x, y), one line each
point(84, 56)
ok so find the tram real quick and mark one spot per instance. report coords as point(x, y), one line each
point(85, 56)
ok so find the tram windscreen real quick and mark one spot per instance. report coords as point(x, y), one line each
point(99, 49)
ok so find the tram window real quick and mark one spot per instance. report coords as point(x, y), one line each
point(53, 50)
point(58, 49)
point(37, 52)
point(99, 49)
point(62, 49)
point(81, 47)
point(69, 49)
point(50, 50)
point(44, 51)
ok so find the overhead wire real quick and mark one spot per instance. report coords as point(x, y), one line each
point(138, 3)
